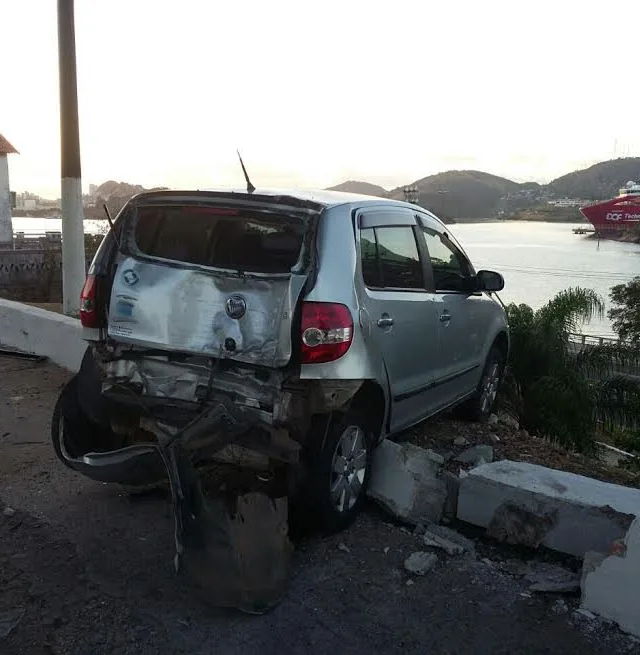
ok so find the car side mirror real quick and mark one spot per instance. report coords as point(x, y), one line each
point(489, 281)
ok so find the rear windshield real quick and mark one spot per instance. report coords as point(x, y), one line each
point(220, 238)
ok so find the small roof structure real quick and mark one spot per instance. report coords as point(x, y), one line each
point(6, 148)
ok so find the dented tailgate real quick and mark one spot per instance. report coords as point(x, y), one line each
point(205, 279)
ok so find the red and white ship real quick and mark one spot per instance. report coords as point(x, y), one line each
point(612, 217)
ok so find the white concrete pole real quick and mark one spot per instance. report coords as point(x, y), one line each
point(6, 228)
point(73, 262)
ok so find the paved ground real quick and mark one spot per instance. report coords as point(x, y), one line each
point(87, 568)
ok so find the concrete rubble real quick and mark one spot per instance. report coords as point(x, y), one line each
point(530, 505)
point(476, 455)
point(521, 504)
point(420, 563)
point(405, 480)
point(440, 534)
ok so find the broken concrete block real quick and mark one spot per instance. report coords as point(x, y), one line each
point(420, 563)
point(522, 503)
point(610, 584)
point(460, 441)
point(474, 454)
point(404, 480)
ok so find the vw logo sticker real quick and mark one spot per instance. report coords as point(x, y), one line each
point(130, 277)
point(235, 306)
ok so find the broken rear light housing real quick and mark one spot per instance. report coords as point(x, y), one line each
point(90, 316)
point(326, 332)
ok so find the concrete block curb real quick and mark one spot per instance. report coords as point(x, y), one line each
point(522, 503)
point(41, 332)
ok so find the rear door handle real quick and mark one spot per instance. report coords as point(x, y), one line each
point(385, 321)
point(445, 317)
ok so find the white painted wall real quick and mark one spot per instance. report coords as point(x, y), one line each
point(6, 231)
point(38, 331)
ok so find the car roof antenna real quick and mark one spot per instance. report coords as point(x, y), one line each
point(250, 187)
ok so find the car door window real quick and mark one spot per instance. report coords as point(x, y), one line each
point(390, 258)
point(450, 267)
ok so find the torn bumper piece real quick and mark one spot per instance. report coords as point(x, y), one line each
point(235, 548)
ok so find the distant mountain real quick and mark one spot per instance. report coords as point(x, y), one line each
point(112, 189)
point(363, 188)
point(461, 194)
point(597, 182)
point(115, 195)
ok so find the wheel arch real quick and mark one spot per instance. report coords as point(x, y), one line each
point(372, 399)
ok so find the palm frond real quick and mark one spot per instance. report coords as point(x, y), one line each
point(570, 308)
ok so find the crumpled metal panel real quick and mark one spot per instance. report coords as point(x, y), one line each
point(179, 381)
point(184, 309)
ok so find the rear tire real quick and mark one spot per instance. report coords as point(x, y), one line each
point(339, 470)
point(479, 407)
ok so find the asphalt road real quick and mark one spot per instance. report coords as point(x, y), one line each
point(86, 568)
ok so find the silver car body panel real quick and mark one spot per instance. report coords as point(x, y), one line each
point(184, 310)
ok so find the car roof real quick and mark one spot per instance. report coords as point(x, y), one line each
point(321, 197)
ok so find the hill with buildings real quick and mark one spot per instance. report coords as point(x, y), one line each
point(599, 181)
point(475, 195)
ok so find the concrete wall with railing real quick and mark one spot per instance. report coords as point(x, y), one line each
point(38, 331)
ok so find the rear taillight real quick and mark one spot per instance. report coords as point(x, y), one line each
point(327, 332)
point(89, 316)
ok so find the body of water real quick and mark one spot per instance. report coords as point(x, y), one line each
point(536, 259)
point(539, 259)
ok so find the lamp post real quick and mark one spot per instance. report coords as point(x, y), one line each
point(73, 262)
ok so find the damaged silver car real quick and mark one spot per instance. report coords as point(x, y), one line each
point(280, 333)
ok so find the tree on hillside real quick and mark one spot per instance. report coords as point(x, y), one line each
point(556, 390)
point(625, 315)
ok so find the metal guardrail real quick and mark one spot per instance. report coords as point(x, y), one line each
point(590, 339)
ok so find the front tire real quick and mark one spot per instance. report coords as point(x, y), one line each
point(479, 407)
point(340, 469)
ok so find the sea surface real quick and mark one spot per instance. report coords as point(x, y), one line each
point(536, 259)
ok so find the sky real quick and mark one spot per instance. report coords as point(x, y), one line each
point(317, 93)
